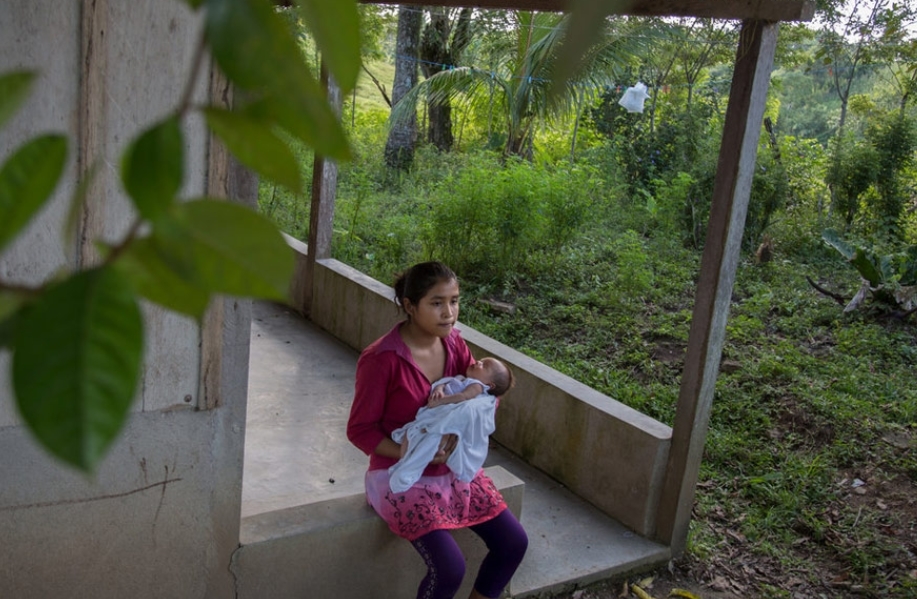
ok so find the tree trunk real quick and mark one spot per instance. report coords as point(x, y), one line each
point(520, 145)
point(440, 48)
point(399, 148)
point(439, 132)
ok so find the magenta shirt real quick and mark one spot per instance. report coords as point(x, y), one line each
point(390, 389)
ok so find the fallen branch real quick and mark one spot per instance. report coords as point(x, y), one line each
point(380, 86)
point(836, 297)
point(904, 315)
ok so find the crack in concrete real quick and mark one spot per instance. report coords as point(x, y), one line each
point(162, 483)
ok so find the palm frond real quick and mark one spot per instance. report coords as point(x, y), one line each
point(462, 83)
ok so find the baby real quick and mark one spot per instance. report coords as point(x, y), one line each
point(489, 376)
point(461, 405)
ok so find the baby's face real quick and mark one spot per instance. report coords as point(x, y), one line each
point(484, 370)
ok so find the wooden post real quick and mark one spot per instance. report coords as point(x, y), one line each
point(226, 318)
point(93, 110)
point(754, 61)
point(321, 215)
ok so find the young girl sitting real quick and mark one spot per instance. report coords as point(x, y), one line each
point(393, 382)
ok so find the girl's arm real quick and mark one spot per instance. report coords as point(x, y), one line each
point(364, 426)
point(389, 449)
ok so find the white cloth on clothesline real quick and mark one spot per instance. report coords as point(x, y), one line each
point(633, 98)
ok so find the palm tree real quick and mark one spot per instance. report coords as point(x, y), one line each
point(520, 84)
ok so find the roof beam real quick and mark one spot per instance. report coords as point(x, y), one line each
point(760, 10)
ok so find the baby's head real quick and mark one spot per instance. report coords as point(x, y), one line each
point(493, 373)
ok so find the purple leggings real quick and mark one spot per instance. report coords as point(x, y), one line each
point(506, 541)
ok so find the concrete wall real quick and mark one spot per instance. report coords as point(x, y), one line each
point(160, 517)
point(605, 452)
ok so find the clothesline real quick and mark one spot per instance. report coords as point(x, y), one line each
point(531, 79)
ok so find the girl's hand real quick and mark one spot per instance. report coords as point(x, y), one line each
point(446, 447)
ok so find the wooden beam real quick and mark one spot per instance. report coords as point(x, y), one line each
point(93, 111)
point(731, 191)
point(762, 10)
point(221, 324)
point(324, 190)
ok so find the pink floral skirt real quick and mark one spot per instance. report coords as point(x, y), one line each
point(433, 503)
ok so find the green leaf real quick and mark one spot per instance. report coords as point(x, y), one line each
point(153, 168)
point(336, 29)
point(76, 364)
point(10, 304)
point(257, 51)
point(323, 133)
point(14, 89)
point(832, 238)
point(585, 26)
point(866, 267)
point(148, 269)
point(886, 269)
point(226, 248)
point(26, 181)
point(256, 146)
point(908, 268)
point(256, 48)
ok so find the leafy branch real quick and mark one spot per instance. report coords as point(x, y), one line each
point(77, 338)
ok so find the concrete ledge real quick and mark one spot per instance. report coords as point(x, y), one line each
point(612, 456)
point(341, 548)
point(609, 454)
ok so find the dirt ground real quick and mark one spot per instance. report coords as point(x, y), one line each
point(886, 526)
point(664, 584)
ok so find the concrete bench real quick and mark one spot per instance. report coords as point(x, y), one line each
point(341, 549)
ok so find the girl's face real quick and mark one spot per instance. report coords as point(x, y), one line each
point(437, 311)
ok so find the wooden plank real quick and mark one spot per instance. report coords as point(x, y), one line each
point(763, 10)
point(93, 109)
point(732, 188)
point(226, 317)
point(321, 215)
point(210, 391)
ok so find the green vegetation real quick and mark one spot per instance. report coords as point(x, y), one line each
point(810, 466)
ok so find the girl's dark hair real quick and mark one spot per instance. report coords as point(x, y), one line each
point(415, 282)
